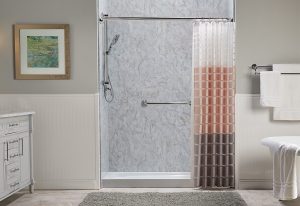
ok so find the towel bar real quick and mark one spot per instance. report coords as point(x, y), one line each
point(256, 67)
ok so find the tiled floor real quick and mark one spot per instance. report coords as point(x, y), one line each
point(264, 198)
point(74, 197)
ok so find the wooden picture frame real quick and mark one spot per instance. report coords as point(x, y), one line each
point(42, 51)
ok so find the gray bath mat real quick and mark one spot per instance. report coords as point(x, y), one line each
point(203, 198)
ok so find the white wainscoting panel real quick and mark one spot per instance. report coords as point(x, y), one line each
point(66, 138)
point(253, 123)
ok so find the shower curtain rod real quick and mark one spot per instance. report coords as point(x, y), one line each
point(105, 17)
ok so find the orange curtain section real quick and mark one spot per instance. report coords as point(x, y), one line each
point(214, 91)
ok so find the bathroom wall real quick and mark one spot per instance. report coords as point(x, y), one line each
point(153, 60)
point(83, 38)
point(66, 139)
point(253, 123)
point(267, 32)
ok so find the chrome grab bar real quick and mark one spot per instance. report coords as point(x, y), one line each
point(145, 103)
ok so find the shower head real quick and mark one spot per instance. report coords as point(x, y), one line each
point(112, 43)
point(115, 39)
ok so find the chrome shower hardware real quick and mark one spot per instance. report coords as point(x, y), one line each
point(145, 103)
point(112, 43)
point(107, 85)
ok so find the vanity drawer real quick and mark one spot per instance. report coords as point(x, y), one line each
point(14, 185)
point(13, 173)
point(13, 146)
point(13, 154)
point(13, 170)
point(13, 143)
point(14, 125)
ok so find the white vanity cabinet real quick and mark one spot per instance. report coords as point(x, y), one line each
point(15, 153)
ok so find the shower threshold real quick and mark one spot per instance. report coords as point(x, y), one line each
point(146, 179)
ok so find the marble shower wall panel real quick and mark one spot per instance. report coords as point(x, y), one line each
point(152, 60)
point(171, 8)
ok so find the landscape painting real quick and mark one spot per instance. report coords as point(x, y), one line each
point(42, 51)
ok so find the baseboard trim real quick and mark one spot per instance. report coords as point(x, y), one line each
point(249, 184)
point(67, 185)
point(248, 95)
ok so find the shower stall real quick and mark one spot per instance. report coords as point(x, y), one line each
point(146, 90)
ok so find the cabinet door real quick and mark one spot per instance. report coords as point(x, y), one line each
point(25, 157)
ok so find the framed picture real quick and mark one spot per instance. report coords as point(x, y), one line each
point(42, 51)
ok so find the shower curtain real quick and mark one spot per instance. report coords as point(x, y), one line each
point(214, 90)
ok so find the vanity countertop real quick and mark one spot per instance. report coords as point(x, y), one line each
point(14, 114)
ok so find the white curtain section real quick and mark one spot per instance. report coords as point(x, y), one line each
point(214, 90)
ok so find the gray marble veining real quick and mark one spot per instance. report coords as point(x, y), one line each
point(153, 61)
point(171, 8)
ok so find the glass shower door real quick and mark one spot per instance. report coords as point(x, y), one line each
point(151, 61)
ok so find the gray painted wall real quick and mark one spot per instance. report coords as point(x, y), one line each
point(268, 32)
point(82, 17)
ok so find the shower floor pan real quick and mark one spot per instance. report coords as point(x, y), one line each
point(146, 179)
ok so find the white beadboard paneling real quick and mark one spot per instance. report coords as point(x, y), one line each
point(66, 140)
point(253, 123)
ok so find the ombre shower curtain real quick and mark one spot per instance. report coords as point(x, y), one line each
point(214, 91)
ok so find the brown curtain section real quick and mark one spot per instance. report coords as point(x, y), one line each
point(214, 91)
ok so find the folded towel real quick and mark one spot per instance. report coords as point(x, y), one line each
point(287, 68)
point(289, 108)
point(285, 173)
point(285, 185)
point(269, 88)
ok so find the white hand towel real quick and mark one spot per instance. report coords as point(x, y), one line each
point(269, 88)
point(284, 150)
point(285, 173)
point(289, 108)
point(287, 68)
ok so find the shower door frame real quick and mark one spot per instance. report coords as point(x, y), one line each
point(155, 183)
